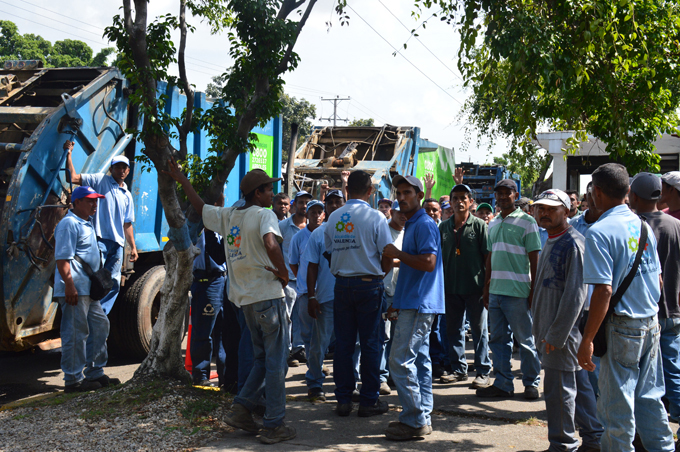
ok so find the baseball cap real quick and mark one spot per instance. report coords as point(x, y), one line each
point(646, 186)
point(314, 202)
point(484, 205)
point(445, 205)
point(523, 201)
point(507, 183)
point(84, 192)
point(412, 180)
point(462, 187)
point(672, 179)
point(389, 201)
point(395, 206)
point(554, 197)
point(301, 193)
point(254, 179)
point(120, 159)
point(334, 192)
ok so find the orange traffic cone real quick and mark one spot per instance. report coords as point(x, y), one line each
point(187, 356)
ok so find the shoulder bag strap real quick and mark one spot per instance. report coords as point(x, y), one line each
point(85, 265)
point(633, 271)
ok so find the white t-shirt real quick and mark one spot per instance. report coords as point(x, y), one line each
point(391, 278)
point(243, 232)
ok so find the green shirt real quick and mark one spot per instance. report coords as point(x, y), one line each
point(464, 272)
point(510, 240)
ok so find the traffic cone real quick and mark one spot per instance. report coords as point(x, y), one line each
point(187, 356)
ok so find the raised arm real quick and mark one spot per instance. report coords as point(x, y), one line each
point(75, 178)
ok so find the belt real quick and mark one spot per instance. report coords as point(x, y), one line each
point(363, 277)
point(204, 276)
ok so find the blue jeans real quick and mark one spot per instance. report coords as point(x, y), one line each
point(268, 323)
point(631, 387)
point(670, 355)
point(207, 297)
point(322, 330)
point(459, 307)
point(304, 320)
point(386, 330)
point(411, 367)
point(231, 337)
point(113, 260)
point(245, 349)
point(439, 344)
point(564, 391)
point(357, 310)
point(84, 329)
point(508, 316)
point(290, 292)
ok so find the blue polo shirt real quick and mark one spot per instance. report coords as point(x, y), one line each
point(288, 231)
point(75, 236)
point(325, 281)
point(611, 244)
point(356, 236)
point(114, 210)
point(295, 250)
point(579, 223)
point(417, 289)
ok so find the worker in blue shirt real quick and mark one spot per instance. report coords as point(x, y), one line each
point(114, 218)
point(84, 326)
point(355, 237)
point(418, 298)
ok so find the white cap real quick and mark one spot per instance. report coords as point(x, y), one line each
point(119, 159)
point(553, 197)
point(672, 179)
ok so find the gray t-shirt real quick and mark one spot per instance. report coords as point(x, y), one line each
point(667, 232)
point(559, 295)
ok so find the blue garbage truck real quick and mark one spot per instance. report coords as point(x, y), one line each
point(39, 110)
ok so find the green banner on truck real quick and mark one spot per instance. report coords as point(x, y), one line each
point(442, 163)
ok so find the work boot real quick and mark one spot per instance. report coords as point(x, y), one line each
point(385, 389)
point(277, 434)
point(241, 417)
point(398, 431)
point(453, 377)
point(344, 409)
point(480, 381)
point(82, 386)
point(316, 394)
point(326, 371)
point(356, 396)
point(493, 391)
point(380, 407)
point(105, 381)
point(530, 393)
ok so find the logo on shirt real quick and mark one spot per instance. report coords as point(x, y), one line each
point(344, 225)
point(234, 237)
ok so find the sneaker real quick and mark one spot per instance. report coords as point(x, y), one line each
point(293, 362)
point(241, 417)
point(356, 396)
point(326, 371)
point(397, 431)
point(385, 389)
point(300, 356)
point(105, 381)
point(206, 383)
point(277, 434)
point(530, 393)
point(82, 386)
point(344, 409)
point(493, 391)
point(480, 381)
point(453, 377)
point(380, 407)
point(316, 394)
point(428, 429)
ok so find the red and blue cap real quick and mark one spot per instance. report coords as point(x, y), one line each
point(84, 192)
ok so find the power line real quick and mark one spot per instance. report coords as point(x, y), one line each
point(409, 61)
point(52, 28)
point(336, 100)
point(80, 23)
point(41, 15)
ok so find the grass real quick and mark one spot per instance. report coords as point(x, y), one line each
point(196, 411)
point(532, 422)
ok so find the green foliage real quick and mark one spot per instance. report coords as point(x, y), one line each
point(361, 122)
point(528, 163)
point(65, 53)
point(301, 112)
point(599, 67)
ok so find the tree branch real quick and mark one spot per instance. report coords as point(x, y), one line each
point(185, 128)
point(288, 7)
point(127, 14)
point(289, 51)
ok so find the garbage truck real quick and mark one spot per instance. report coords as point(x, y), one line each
point(39, 110)
point(382, 151)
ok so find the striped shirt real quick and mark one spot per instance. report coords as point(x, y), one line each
point(510, 240)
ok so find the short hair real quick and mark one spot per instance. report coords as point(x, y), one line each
point(249, 196)
point(572, 192)
point(425, 201)
point(612, 179)
point(358, 183)
point(280, 196)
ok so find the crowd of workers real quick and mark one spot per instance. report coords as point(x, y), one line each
point(391, 292)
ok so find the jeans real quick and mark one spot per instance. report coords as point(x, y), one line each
point(670, 355)
point(268, 323)
point(84, 329)
point(231, 337)
point(631, 387)
point(322, 330)
point(411, 367)
point(304, 320)
point(510, 316)
point(459, 307)
point(290, 291)
point(245, 349)
point(439, 344)
point(357, 310)
point(564, 391)
point(592, 376)
point(113, 260)
point(207, 297)
point(386, 340)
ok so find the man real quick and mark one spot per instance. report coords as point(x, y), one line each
point(464, 250)
point(289, 228)
point(513, 247)
point(419, 297)
point(670, 193)
point(558, 301)
point(447, 210)
point(355, 238)
point(114, 218)
point(257, 276)
point(524, 203)
point(281, 205)
point(207, 306)
point(433, 209)
point(384, 206)
point(320, 290)
point(84, 325)
point(484, 212)
point(631, 378)
point(645, 191)
point(315, 217)
point(573, 197)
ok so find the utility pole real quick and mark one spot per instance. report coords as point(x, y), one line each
point(335, 116)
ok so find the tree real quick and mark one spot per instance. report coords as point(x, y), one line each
point(361, 122)
point(65, 53)
point(531, 166)
point(261, 42)
point(608, 69)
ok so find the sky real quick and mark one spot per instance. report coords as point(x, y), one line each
point(420, 86)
